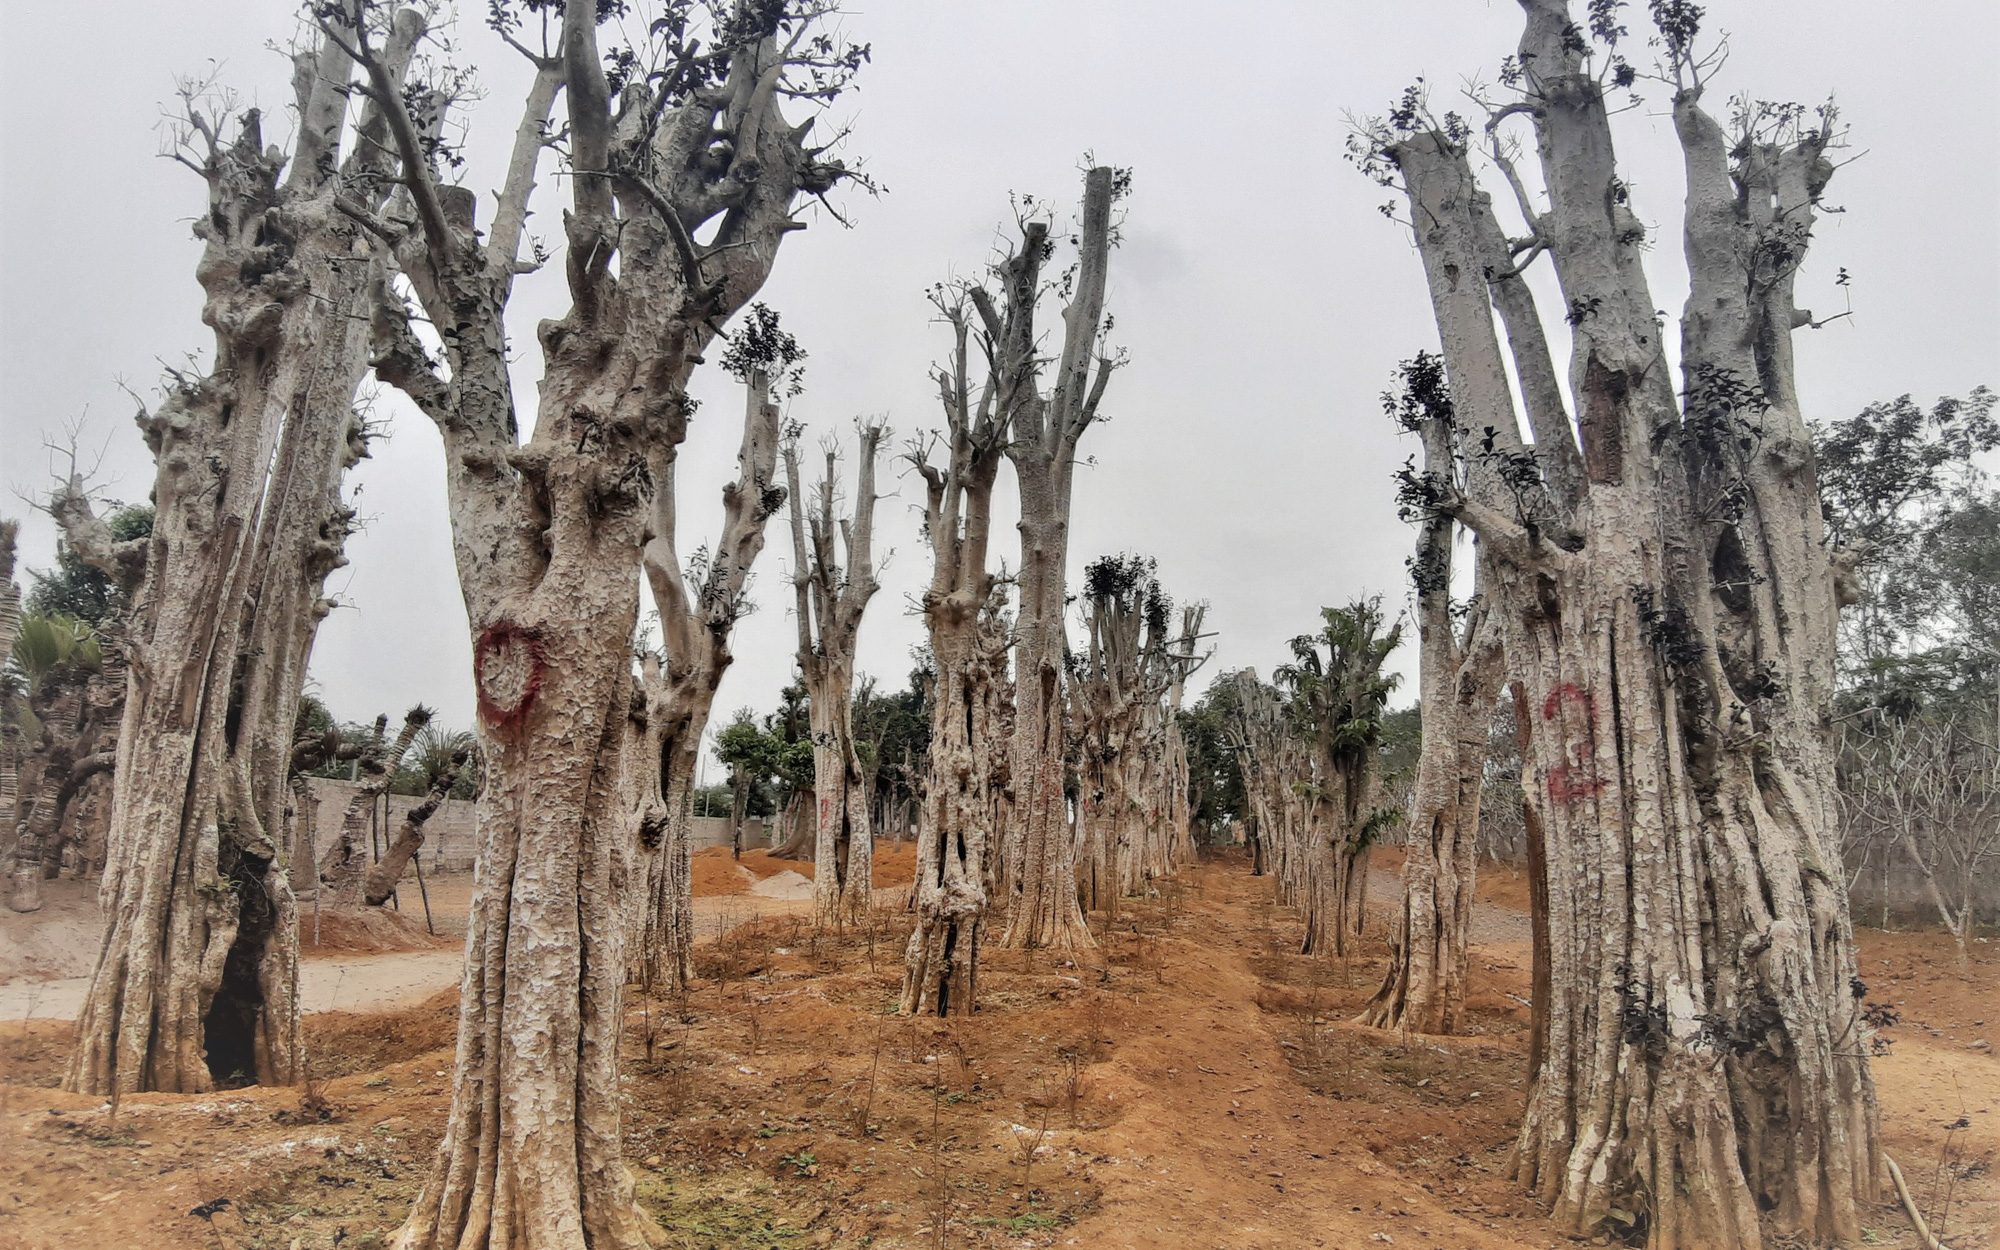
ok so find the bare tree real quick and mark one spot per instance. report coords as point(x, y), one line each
point(1124, 689)
point(1930, 790)
point(968, 653)
point(698, 610)
point(1670, 617)
point(831, 600)
point(196, 978)
point(343, 870)
point(1037, 857)
point(550, 539)
point(1459, 674)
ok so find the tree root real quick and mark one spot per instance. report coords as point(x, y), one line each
point(1910, 1207)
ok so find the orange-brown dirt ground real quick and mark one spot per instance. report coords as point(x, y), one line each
point(1190, 1083)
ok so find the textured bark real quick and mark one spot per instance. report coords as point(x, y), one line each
point(1037, 862)
point(196, 978)
point(1702, 1069)
point(1467, 433)
point(962, 794)
point(1277, 774)
point(550, 538)
point(1423, 990)
point(408, 840)
point(830, 603)
point(1335, 705)
point(678, 686)
point(1124, 690)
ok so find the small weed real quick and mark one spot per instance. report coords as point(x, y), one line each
point(803, 1164)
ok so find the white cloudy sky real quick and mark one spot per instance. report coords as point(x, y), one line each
point(1261, 297)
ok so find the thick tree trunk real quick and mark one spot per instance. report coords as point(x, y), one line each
point(531, 1150)
point(953, 840)
point(196, 978)
point(658, 781)
point(37, 854)
point(843, 853)
point(1702, 1068)
point(551, 538)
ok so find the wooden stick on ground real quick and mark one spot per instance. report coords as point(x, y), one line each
point(1910, 1207)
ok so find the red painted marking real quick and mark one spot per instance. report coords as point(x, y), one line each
point(1570, 782)
point(1567, 692)
point(492, 641)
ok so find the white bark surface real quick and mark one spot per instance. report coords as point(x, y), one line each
point(550, 539)
point(196, 980)
point(831, 598)
point(1668, 617)
point(1037, 861)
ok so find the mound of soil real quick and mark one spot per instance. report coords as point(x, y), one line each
point(716, 874)
point(764, 864)
point(364, 930)
point(895, 864)
point(341, 1043)
point(786, 884)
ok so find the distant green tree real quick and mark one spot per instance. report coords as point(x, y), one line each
point(1903, 491)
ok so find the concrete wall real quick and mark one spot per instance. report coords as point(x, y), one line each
point(448, 835)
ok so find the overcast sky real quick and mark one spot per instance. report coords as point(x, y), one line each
point(1262, 298)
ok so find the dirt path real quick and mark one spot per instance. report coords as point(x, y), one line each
point(1226, 1147)
point(351, 981)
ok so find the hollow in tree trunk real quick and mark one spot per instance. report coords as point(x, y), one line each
point(196, 978)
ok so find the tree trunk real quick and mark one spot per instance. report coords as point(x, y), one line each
point(1424, 988)
point(678, 685)
point(941, 964)
point(196, 978)
point(345, 869)
point(382, 878)
point(1702, 1069)
point(739, 803)
point(551, 539)
point(1037, 861)
point(843, 853)
point(830, 603)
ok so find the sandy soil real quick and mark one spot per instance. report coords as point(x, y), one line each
point(379, 960)
point(1191, 1083)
